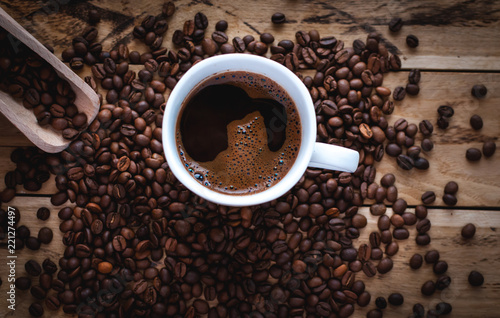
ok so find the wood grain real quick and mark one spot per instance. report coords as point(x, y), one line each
point(479, 253)
point(454, 35)
point(479, 181)
point(459, 47)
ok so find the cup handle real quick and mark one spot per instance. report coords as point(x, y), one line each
point(334, 157)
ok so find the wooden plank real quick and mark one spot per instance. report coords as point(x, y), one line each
point(479, 253)
point(479, 181)
point(453, 34)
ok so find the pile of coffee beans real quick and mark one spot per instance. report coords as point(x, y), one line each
point(27, 77)
point(138, 243)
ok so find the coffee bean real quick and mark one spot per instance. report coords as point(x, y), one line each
point(381, 302)
point(431, 256)
point(399, 93)
point(476, 122)
point(428, 197)
point(427, 144)
point(412, 41)
point(32, 243)
point(468, 231)
point(416, 261)
point(23, 283)
point(395, 24)
point(443, 308)
point(45, 235)
point(412, 89)
point(423, 239)
point(489, 148)
point(385, 265)
point(423, 226)
point(405, 162)
point(52, 303)
point(43, 213)
point(396, 299)
point(414, 76)
point(479, 91)
point(451, 187)
point(267, 38)
point(278, 18)
point(33, 268)
point(201, 21)
point(428, 288)
point(443, 282)
point(445, 111)
point(450, 199)
point(475, 278)
point(440, 267)
point(36, 310)
point(49, 267)
point(473, 154)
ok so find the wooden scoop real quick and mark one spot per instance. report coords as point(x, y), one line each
point(87, 101)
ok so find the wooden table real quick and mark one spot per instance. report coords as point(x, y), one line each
point(459, 47)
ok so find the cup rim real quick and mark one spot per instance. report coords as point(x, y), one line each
point(240, 62)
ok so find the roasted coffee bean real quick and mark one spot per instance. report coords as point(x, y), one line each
point(426, 128)
point(475, 278)
point(33, 268)
point(221, 25)
point(451, 187)
point(479, 91)
point(381, 302)
point(473, 154)
point(36, 310)
point(443, 308)
point(440, 267)
point(278, 18)
point(43, 213)
point(418, 311)
point(267, 38)
point(428, 288)
point(412, 89)
point(416, 261)
point(423, 226)
point(396, 299)
point(49, 267)
point(23, 283)
point(443, 122)
point(45, 235)
point(431, 256)
point(423, 239)
point(428, 197)
point(405, 162)
point(443, 282)
point(385, 265)
point(52, 303)
point(32, 243)
point(449, 199)
point(395, 24)
point(476, 122)
point(489, 148)
point(445, 111)
point(427, 144)
point(414, 76)
point(412, 41)
point(468, 231)
point(201, 21)
point(399, 93)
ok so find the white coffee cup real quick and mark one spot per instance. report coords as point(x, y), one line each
point(311, 153)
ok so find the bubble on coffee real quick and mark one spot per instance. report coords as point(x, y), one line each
point(238, 133)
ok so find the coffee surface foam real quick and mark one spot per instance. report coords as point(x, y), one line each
point(238, 133)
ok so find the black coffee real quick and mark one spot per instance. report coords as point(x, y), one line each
point(238, 133)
